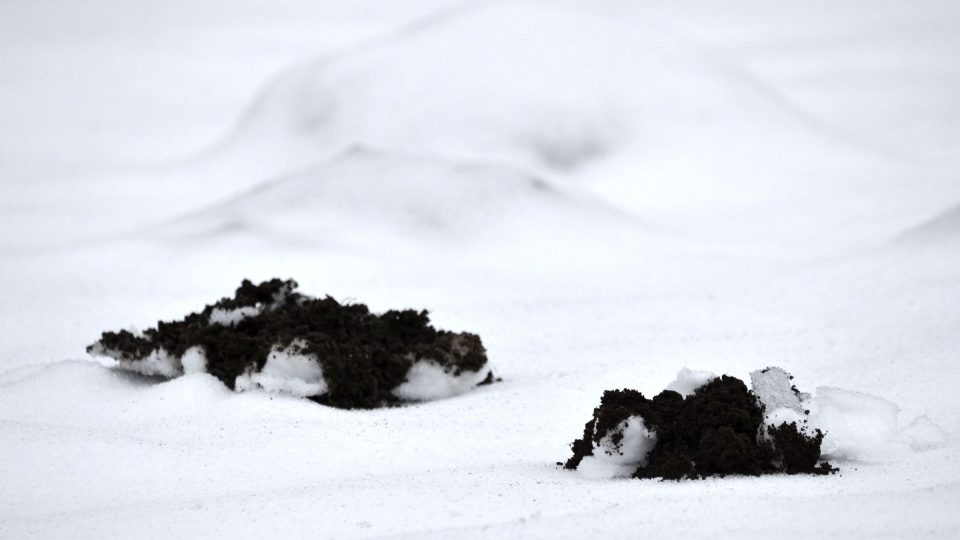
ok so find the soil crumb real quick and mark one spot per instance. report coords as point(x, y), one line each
point(720, 429)
point(272, 337)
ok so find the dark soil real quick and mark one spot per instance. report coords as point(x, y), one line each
point(363, 355)
point(714, 432)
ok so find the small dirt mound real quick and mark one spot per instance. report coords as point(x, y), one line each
point(272, 337)
point(719, 429)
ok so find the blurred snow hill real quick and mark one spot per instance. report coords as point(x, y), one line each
point(647, 116)
point(548, 88)
point(363, 195)
point(747, 141)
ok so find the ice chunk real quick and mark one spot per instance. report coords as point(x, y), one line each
point(287, 371)
point(688, 381)
point(773, 387)
point(620, 451)
point(856, 426)
point(427, 380)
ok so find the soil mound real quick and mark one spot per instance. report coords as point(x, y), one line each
point(720, 428)
point(272, 337)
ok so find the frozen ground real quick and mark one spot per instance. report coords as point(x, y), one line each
point(606, 192)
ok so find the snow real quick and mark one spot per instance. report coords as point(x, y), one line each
point(863, 427)
point(923, 434)
point(194, 360)
point(427, 380)
point(230, 317)
point(287, 371)
point(604, 192)
point(622, 458)
point(159, 362)
point(773, 387)
point(856, 426)
point(689, 381)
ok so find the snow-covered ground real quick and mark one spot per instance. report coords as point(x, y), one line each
point(605, 191)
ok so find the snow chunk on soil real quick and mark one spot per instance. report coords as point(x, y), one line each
point(620, 451)
point(773, 387)
point(688, 381)
point(157, 362)
point(230, 317)
point(427, 380)
point(287, 371)
point(194, 360)
point(271, 337)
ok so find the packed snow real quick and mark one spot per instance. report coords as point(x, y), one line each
point(287, 371)
point(604, 191)
point(230, 317)
point(427, 380)
point(619, 459)
point(688, 381)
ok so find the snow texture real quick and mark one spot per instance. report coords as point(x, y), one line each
point(605, 191)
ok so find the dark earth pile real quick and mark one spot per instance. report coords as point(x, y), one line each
point(363, 355)
point(719, 430)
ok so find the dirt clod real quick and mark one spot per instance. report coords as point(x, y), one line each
point(364, 356)
point(716, 431)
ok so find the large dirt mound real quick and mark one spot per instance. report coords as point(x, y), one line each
point(272, 337)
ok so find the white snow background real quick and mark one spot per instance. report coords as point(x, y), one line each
point(605, 191)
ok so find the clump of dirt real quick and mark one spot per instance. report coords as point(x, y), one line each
point(716, 431)
point(364, 356)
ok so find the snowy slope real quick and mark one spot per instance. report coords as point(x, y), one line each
point(370, 199)
point(606, 192)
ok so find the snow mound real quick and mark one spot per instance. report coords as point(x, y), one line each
point(364, 194)
point(538, 100)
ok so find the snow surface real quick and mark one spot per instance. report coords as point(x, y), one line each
point(605, 192)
